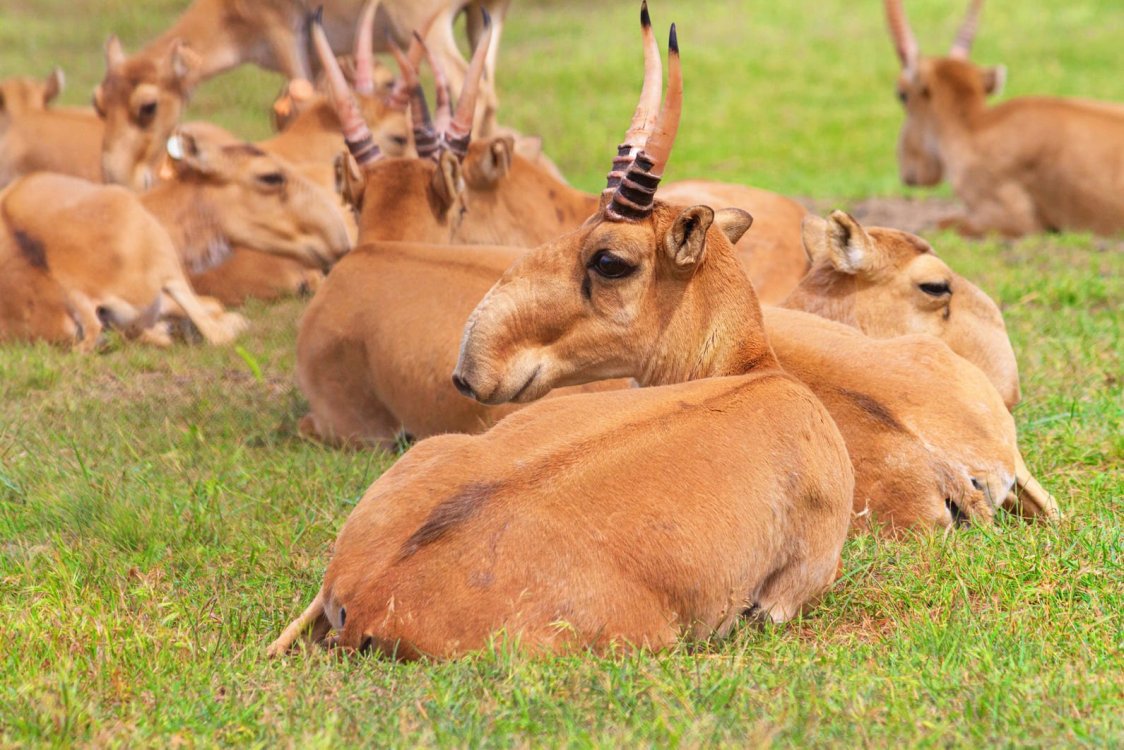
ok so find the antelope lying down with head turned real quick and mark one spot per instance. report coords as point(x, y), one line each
point(143, 96)
point(126, 254)
point(1030, 164)
point(635, 517)
point(886, 283)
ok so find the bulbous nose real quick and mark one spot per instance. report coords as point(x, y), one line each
point(462, 385)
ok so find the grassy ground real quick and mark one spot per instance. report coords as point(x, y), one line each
point(160, 521)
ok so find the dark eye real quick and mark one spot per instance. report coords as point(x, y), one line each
point(935, 288)
point(902, 96)
point(272, 179)
point(399, 140)
point(610, 266)
point(146, 113)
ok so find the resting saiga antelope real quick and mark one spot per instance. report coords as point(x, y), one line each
point(142, 96)
point(887, 283)
point(126, 254)
point(1030, 164)
point(633, 518)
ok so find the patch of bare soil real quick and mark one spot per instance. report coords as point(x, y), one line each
point(909, 214)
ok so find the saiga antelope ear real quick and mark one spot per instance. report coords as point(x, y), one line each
point(685, 241)
point(349, 181)
point(114, 53)
point(840, 242)
point(733, 222)
point(493, 164)
point(192, 154)
point(55, 83)
point(994, 79)
point(448, 182)
point(183, 63)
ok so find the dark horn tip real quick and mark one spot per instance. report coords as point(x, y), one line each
point(645, 19)
point(318, 15)
point(673, 42)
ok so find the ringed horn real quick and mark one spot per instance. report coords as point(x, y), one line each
point(648, 142)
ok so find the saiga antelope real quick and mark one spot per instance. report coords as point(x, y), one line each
point(632, 518)
point(1030, 164)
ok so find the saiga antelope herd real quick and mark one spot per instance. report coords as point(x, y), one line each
point(640, 416)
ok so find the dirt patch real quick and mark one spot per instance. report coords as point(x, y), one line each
point(909, 214)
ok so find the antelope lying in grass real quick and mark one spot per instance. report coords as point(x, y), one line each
point(600, 520)
point(1030, 164)
point(223, 195)
point(889, 283)
point(886, 282)
point(142, 97)
point(35, 137)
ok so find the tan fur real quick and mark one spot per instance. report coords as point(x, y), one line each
point(887, 283)
point(252, 274)
point(35, 137)
point(142, 96)
point(33, 305)
point(1030, 164)
point(771, 254)
point(632, 518)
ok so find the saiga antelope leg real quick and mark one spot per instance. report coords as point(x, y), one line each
point(1029, 497)
point(220, 331)
point(313, 615)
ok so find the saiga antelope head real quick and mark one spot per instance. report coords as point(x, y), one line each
point(939, 94)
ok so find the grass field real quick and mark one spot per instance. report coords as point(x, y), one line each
point(160, 521)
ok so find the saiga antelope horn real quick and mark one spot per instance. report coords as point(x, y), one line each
point(659, 143)
point(356, 134)
point(962, 45)
point(364, 54)
point(443, 113)
point(417, 48)
point(635, 196)
point(647, 108)
point(426, 140)
point(460, 127)
point(904, 41)
point(399, 97)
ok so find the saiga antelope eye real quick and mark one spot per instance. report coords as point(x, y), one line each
point(272, 179)
point(610, 266)
point(146, 113)
point(935, 288)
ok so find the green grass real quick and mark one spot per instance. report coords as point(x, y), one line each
point(160, 521)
